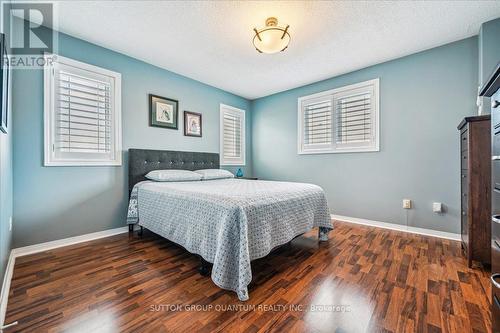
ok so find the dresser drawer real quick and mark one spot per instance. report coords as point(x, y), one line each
point(495, 118)
point(464, 230)
point(495, 313)
point(464, 177)
point(464, 209)
point(495, 202)
point(495, 258)
point(464, 157)
point(495, 168)
point(495, 144)
point(464, 140)
point(465, 202)
point(495, 244)
point(495, 101)
point(464, 184)
point(495, 132)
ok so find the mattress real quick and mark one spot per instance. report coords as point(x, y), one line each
point(229, 222)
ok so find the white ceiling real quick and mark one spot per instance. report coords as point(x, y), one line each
point(211, 41)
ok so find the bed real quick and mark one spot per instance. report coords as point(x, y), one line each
point(227, 222)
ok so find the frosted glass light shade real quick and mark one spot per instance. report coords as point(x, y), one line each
point(271, 39)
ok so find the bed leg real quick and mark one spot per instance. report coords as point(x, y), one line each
point(141, 231)
point(130, 228)
point(323, 234)
point(204, 268)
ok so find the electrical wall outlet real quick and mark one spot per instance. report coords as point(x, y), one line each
point(437, 207)
point(10, 223)
point(406, 203)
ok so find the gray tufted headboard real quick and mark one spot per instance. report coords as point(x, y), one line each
point(142, 161)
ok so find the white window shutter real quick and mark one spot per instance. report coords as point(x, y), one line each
point(82, 114)
point(232, 140)
point(232, 136)
point(354, 120)
point(317, 120)
point(344, 119)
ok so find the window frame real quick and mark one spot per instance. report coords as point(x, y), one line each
point(50, 158)
point(223, 108)
point(333, 94)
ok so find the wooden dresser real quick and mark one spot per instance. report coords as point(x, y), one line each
point(492, 89)
point(475, 156)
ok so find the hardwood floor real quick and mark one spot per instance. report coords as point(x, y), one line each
point(363, 280)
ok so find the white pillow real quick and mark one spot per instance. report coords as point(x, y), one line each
point(173, 175)
point(208, 174)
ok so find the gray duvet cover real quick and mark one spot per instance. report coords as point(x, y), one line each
point(229, 222)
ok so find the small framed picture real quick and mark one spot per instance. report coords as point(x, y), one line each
point(163, 112)
point(192, 124)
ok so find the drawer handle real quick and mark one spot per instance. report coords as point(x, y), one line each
point(494, 278)
point(496, 218)
point(463, 176)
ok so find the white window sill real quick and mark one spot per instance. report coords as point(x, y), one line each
point(339, 151)
point(82, 163)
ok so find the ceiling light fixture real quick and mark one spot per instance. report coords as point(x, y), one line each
point(271, 38)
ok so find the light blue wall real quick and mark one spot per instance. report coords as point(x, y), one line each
point(6, 192)
point(423, 97)
point(57, 202)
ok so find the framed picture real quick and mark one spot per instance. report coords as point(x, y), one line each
point(4, 90)
point(192, 123)
point(163, 112)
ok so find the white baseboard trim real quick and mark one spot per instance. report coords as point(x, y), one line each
point(26, 250)
point(4, 295)
point(23, 251)
point(399, 227)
